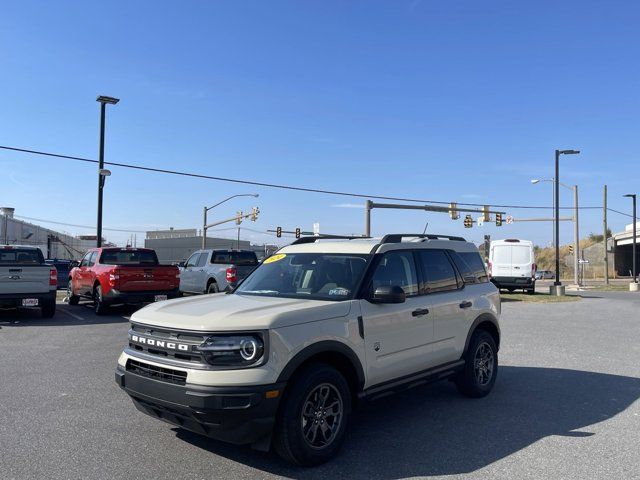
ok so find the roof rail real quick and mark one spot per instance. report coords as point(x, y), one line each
point(314, 238)
point(397, 237)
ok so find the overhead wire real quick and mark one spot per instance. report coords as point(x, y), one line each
point(278, 186)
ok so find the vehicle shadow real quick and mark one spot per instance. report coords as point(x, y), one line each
point(66, 315)
point(432, 430)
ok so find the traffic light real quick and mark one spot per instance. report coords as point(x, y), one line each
point(297, 233)
point(498, 219)
point(453, 211)
point(239, 218)
point(486, 216)
point(254, 214)
point(278, 232)
point(468, 221)
point(570, 249)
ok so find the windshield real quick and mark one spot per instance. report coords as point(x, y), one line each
point(318, 276)
point(128, 257)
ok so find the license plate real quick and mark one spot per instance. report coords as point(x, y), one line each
point(159, 298)
point(29, 302)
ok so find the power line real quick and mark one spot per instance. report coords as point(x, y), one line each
point(621, 213)
point(275, 185)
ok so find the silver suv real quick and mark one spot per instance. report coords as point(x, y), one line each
point(319, 326)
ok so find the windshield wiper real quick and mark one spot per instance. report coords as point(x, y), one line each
point(269, 292)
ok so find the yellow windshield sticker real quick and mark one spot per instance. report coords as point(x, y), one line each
point(275, 258)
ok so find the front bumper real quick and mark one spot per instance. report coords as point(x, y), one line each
point(116, 296)
point(239, 415)
point(13, 300)
point(513, 282)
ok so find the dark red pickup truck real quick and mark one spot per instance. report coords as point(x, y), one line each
point(113, 275)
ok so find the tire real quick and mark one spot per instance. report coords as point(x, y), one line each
point(303, 443)
point(478, 382)
point(212, 287)
point(99, 307)
point(73, 299)
point(48, 309)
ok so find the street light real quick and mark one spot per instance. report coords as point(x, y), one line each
point(556, 288)
point(576, 231)
point(103, 100)
point(206, 209)
point(632, 196)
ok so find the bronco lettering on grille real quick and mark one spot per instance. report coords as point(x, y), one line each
point(159, 343)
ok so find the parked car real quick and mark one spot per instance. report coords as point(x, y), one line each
point(317, 326)
point(26, 280)
point(212, 271)
point(544, 275)
point(110, 276)
point(512, 265)
point(63, 267)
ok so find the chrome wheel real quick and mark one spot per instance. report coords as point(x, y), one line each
point(322, 415)
point(484, 363)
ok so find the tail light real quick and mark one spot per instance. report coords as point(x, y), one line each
point(534, 268)
point(490, 269)
point(53, 277)
point(114, 277)
point(232, 274)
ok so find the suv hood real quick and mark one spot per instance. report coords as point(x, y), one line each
point(222, 312)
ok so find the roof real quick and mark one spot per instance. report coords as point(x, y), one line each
point(373, 245)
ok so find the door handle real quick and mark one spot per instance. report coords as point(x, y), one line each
point(466, 304)
point(420, 311)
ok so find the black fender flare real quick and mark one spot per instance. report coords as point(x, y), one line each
point(485, 317)
point(323, 347)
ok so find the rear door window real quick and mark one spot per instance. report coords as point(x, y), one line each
point(440, 276)
point(474, 266)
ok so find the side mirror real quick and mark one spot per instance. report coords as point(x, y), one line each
point(388, 294)
point(181, 264)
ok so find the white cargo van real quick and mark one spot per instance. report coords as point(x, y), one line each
point(512, 264)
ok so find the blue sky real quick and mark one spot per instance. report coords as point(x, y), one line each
point(452, 101)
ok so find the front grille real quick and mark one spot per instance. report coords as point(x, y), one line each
point(168, 375)
point(192, 340)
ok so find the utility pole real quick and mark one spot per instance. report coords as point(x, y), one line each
point(556, 216)
point(238, 245)
point(605, 232)
point(632, 196)
point(576, 236)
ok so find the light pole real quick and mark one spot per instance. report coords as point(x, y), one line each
point(103, 100)
point(576, 230)
point(206, 209)
point(633, 267)
point(556, 288)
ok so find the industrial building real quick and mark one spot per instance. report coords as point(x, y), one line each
point(53, 244)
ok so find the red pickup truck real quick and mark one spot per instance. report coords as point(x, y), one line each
point(113, 275)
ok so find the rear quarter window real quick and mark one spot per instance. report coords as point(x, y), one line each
point(474, 266)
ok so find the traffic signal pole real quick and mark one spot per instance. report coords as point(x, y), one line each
point(369, 205)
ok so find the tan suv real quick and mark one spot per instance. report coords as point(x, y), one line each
point(320, 325)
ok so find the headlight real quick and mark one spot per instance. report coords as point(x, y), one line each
point(233, 350)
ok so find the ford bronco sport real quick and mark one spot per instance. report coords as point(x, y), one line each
point(322, 324)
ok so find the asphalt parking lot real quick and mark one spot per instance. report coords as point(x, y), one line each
point(565, 406)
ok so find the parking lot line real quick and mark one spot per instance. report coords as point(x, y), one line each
point(77, 317)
